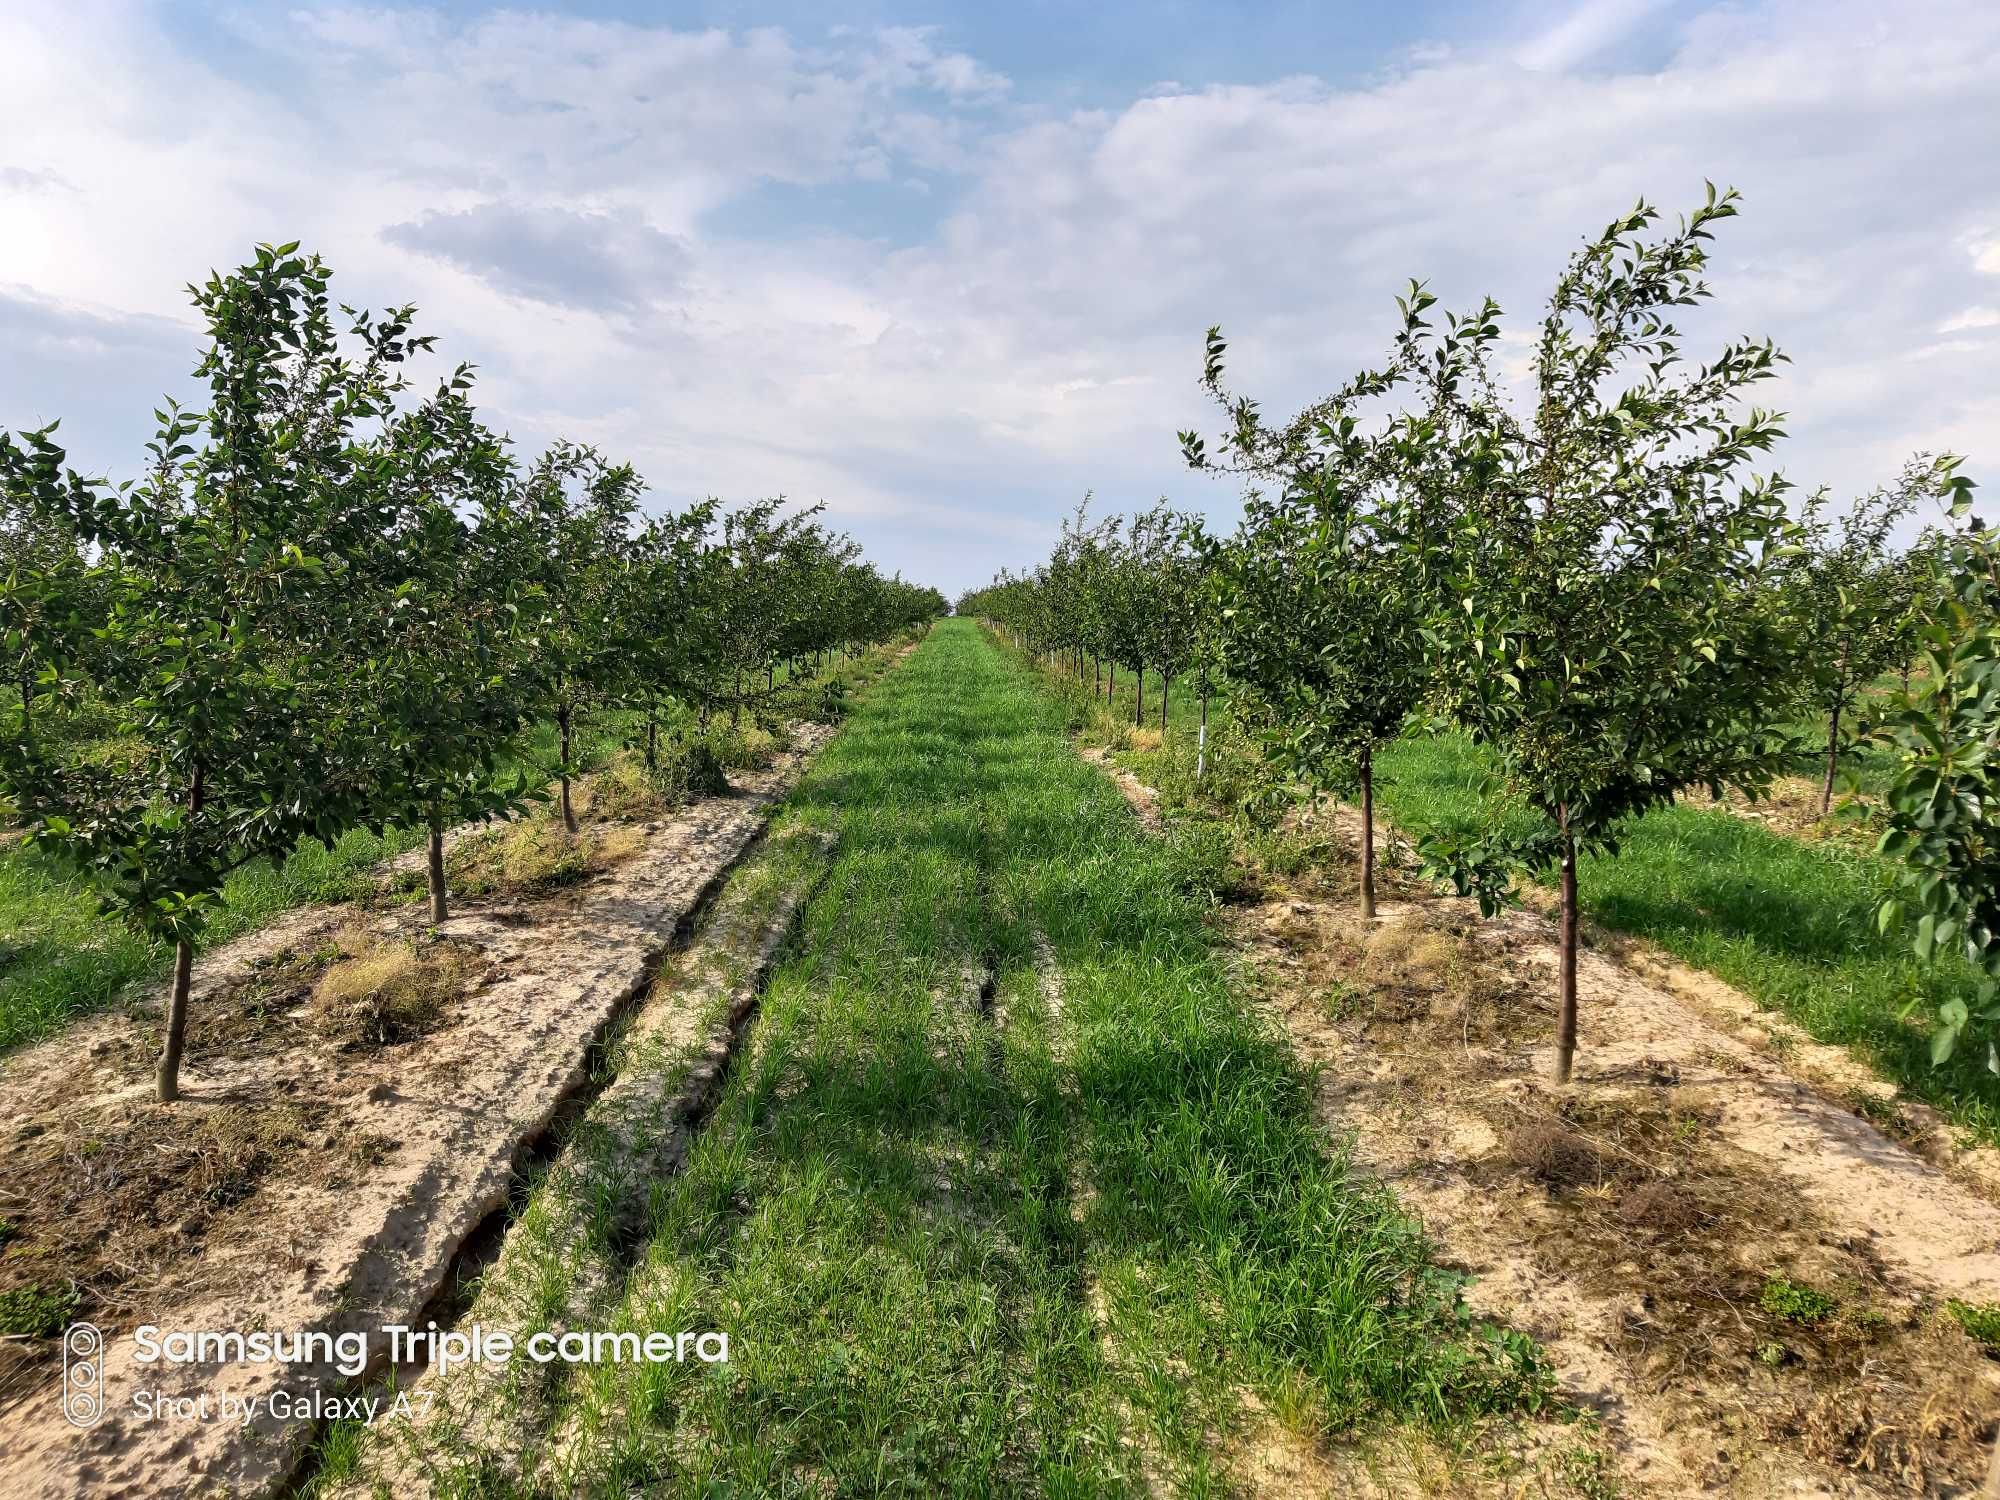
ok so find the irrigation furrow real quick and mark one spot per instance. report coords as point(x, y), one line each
point(564, 1260)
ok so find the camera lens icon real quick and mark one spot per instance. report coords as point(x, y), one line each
point(83, 1375)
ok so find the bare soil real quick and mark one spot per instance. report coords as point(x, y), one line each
point(326, 1163)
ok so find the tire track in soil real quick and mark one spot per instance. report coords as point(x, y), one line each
point(636, 1132)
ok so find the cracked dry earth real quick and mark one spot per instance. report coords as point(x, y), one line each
point(1645, 1222)
point(348, 1212)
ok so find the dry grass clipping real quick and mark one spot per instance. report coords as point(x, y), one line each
point(382, 992)
point(536, 856)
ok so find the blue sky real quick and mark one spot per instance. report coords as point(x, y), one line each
point(946, 268)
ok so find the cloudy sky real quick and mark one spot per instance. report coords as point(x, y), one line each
point(945, 267)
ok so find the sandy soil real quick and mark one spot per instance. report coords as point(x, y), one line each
point(1634, 1221)
point(400, 1152)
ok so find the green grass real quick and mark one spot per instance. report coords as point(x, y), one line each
point(1790, 923)
point(905, 1197)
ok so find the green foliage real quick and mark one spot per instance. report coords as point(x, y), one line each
point(1603, 616)
point(1980, 1320)
point(1130, 592)
point(1854, 600)
point(37, 1312)
point(323, 610)
point(1944, 804)
point(239, 575)
point(1319, 604)
point(1795, 1302)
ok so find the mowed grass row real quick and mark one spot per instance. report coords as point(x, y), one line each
point(910, 1198)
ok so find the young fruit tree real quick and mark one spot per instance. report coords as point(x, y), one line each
point(566, 533)
point(1944, 804)
point(1319, 607)
point(441, 664)
point(1855, 597)
point(236, 585)
point(50, 601)
point(678, 581)
point(1601, 615)
point(1169, 558)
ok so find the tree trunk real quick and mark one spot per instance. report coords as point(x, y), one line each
point(168, 1076)
point(568, 811)
point(1139, 705)
point(1111, 691)
point(1166, 692)
point(652, 740)
point(1367, 832)
point(1832, 761)
point(1201, 739)
point(1566, 1022)
point(440, 904)
point(1097, 677)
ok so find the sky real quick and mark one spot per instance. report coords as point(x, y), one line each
point(948, 267)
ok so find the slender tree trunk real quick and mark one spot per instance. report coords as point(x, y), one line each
point(1201, 739)
point(1166, 692)
point(1139, 705)
point(1111, 691)
point(568, 811)
point(440, 903)
point(1832, 760)
point(1566, 1021)
point(1367, 831)
point(168, 1076)
point(1096, 676)
point(652, 739)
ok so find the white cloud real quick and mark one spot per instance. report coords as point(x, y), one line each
point(1971, 318)
point(549, 191)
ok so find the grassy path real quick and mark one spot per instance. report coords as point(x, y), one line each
point(962, 1245)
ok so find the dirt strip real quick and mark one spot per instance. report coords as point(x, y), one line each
point(559, 1263)
point(399, 1152)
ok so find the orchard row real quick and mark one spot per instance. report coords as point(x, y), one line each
point(329, 606)
point(1582, 572)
